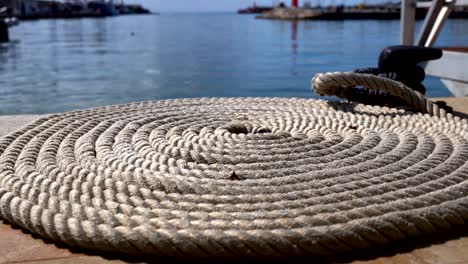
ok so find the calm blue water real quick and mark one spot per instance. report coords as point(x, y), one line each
point(61, 65)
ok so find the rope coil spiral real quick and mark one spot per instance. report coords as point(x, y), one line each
point(250, 176)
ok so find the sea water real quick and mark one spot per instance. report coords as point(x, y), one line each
point(62, 65)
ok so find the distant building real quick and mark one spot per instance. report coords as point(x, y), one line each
point(30, 8)
point(12, 7)
point(36, 9)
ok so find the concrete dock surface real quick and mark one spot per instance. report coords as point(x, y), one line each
point(18, 246)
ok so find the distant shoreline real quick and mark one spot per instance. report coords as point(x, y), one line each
point(348, 13)
point(34, 18)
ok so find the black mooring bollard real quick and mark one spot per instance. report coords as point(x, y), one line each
point(4, 37)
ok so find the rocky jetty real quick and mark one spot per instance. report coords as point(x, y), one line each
point(290, 13)
point(345, 13)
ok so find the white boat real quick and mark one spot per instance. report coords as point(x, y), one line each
point(452, 67)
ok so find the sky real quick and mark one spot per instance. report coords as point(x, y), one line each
point(221, 5)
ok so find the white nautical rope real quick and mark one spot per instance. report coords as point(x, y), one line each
point(251, 176)
point(338, 83)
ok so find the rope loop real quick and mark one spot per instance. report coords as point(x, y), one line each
point(340, 83)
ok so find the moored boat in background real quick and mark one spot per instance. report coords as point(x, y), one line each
point(451, 68)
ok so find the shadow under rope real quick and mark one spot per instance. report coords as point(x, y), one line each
point(351, 108)
point(388, 250)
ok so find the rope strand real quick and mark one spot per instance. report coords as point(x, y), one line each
point(341, 84)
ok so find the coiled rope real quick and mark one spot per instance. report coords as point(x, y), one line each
point(340, 84)
point(244, 176)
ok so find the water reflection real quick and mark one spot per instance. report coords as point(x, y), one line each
point(100, 33)
point(294, 47)
point(294, 36)
point(8, 54)
point(54, 53)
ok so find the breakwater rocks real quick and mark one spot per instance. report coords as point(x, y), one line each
point(285, 13)
point(290, 13)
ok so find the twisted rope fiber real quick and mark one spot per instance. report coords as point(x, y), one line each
point(341, 84)
point(251, 176)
